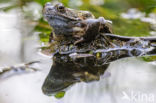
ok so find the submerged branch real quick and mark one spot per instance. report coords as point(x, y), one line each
point(17, 69)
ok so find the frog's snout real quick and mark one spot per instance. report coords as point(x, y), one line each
point(48, 8)
point(48, 4)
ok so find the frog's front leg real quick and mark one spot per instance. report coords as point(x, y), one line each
point(93, 27)
point(79, 30)
point(90, 31)
point(105, 25)
point(79, 41)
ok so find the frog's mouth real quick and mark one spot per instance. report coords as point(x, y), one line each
point(51, 14)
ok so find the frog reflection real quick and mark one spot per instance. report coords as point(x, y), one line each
point(65, 74)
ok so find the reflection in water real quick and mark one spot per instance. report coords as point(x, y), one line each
point(62, 76)
point(128, 75)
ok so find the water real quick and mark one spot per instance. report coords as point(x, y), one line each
point(128, 75)
point(18, 43)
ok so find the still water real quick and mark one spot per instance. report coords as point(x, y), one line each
point(131, 80)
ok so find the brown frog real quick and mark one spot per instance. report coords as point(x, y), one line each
point(74, 63)
point(80, 25)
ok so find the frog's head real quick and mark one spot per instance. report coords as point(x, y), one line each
point(60, 18)
point(59, 12)
point(65, 21)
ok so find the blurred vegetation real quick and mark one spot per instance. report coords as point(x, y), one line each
point(131, 27)
point(144, 5)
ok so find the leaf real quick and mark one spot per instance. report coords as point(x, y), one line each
point(60, 95)
point(149, 58)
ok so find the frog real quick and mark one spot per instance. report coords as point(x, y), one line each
point(81, 26)
point(100, 47)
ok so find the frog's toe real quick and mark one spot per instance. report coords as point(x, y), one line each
point(104, 21)
point(78, 29)
point(79, 41)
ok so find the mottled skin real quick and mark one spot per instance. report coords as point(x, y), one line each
point(81, 25)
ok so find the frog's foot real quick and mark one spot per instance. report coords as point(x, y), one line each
point(104, 21)
point(79, 41)
point(79, 29)
point(52, 37)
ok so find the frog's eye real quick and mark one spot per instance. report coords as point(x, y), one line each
point(61, 8)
